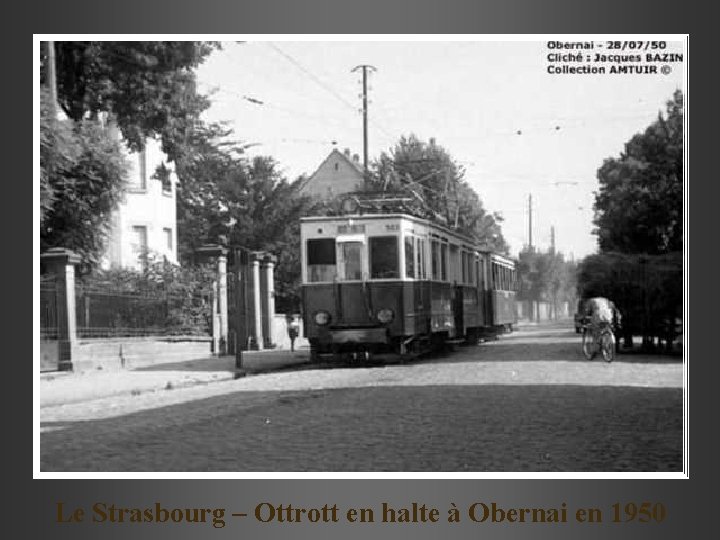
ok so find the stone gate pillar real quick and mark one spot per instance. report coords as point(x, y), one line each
point(218, 256)
point(257, 324)
point(223, 301)
point(61, 262)
point(268, 298)
point(215, 319)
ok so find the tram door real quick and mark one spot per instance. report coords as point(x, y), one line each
point(458, 310)
point(350, 300)
point(455, 273)
point(487, 287)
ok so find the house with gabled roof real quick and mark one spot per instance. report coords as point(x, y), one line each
point(340, 173)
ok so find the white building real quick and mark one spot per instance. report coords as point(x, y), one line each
point(144, 225)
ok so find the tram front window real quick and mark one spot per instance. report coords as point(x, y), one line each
point(321, 259)
point(350, 261)
point(384, 257)
point(409, 257)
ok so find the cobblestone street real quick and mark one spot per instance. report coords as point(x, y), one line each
point(527, 402)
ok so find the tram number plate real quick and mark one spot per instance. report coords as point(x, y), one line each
point(345, 229)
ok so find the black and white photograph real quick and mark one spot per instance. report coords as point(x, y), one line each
point(422, 256)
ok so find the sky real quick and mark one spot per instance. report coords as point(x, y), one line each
point(516, 129)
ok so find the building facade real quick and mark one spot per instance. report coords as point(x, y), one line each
point(144, 225)
point(339, 173)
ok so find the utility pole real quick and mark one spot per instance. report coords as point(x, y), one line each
point(530, 244)
point(365, 68)
point(552, 238)
point(52, 78)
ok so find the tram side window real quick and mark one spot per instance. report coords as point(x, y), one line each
point(454, 265)
point(443, 262)
point(409, 257)
point(468, 267)
point(321, 259)
point(422, 271)
point(435, 254)
point(384, 257)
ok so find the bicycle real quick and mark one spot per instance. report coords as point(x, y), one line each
point(604, 343)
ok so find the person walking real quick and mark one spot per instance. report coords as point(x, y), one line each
point(293, 331)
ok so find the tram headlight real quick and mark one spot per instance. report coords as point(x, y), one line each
point(322, 318)
point(385, 315)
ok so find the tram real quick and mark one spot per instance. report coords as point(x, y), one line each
point(396, 283)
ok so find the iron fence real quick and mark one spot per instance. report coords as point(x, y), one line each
point(107, 312)
point(48, 307)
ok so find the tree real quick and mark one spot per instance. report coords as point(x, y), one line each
point(148, 86)
point(546, 276)
point(647, 289)
point(148, 90)
point(82, 175)
point(428, 173)
point(639, 206)
point(230, 199)
point(58, 152)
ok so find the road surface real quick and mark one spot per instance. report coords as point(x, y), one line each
point(526, 402)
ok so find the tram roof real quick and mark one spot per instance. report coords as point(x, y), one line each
point(435, 225)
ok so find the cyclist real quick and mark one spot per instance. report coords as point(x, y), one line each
point(600, 312)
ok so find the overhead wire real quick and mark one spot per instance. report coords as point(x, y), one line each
point(325, 86)
point(312, 76)
point(288, 110)
point(273, 83)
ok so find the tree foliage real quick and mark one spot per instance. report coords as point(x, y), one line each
point(164, 299)
point(429, 174)
point(82, 174)
point(546, 276)
point(229, 199)
point(646, 289)
point(639, 206)
point(149, 86)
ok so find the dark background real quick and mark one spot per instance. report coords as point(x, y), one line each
point(689, 502)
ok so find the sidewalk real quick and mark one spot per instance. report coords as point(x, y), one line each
point(61, 388)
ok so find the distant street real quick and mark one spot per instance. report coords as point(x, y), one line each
point(527, 402)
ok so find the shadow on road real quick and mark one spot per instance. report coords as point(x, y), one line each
point(433, 428)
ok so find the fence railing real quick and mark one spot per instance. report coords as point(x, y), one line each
point(48, 308)
point(107, 312)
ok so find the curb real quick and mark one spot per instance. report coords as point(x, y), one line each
point(140, 390)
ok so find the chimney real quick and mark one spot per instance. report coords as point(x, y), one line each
point(347, 152)
point(432, 141)
point(356, 158)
